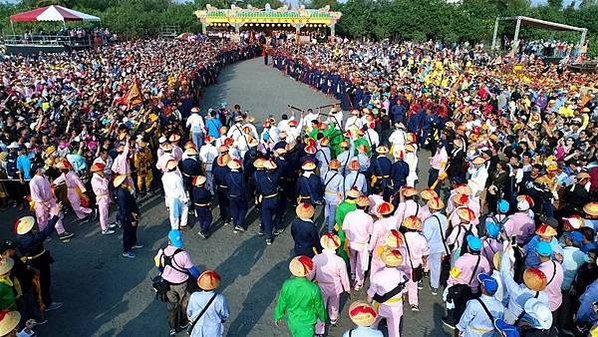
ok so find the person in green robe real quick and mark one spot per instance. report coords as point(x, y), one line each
point(300, 300)
point(336, 138)
point(345, 207)
point(363, 141)
point(9, 286)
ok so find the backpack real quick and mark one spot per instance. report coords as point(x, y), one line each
point(159, 284)
point(11, 167)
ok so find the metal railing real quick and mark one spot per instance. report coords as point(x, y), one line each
point(48, 40)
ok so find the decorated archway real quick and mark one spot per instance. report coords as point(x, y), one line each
point(279, 18)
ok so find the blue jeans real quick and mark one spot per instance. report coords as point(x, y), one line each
point(330, 215)
point(197, 138)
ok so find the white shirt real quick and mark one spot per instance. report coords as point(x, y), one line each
point(372, 137)
point(195, 123)
point(173, 187)
point(207, 154)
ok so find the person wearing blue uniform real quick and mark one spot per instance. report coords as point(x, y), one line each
point(543, 233)
point(220, 170)
point(268, 186)
point(211, 323)
point(31, 245)
point(304, 231)
point(237, 195)
point(398, 175)
point(202, 201)
point(379, 171)
point(127, 215)
point(190, 167)
point(479, 315)
point(309, 185)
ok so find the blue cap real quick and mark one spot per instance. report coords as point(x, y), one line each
point(543, 248)
point(506, 330)
point(576, 237)
point(474, 243)
point(175, 238)
point(492, 229)
point(489, 283)
point(503, 206)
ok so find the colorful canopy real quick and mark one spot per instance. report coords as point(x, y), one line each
point(52, 13)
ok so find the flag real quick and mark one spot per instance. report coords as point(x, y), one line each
point(134, 97)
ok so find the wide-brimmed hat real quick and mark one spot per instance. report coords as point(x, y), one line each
point(478, 160)
point(97, 167)
point(394, 238)
point(6, 265)
point(62, 164)
point(301, 266)
point(385, 208)
point(363, 201)
point(412, 222)
point(463, 189)
point(362, 313)
point(460, 199)
point(382, 149)
point(534, 279)
point(353, 193)
point(270, 165)
point(223, 148)
point(408, 191)
point(540, 312)
point(330, 241)
point(428, 194)
point(335, 164)
point(435, 204)
point(50, 150)
point(199, 180)
point(354, 165)
point(171, 164)
point(324, 141)
point(466, 214)
point(208, 280)
point(175, 137)
point(308, 166)
point(391, 257)
point(189, 145)
point(591, 208)
point(234, 164)
point(524, 202)
point(546, 230)
point(191, 151)
point(223, 160)
point(311, 150)
point(24, 225)
point(119, 179)
point(258, 163)
point(9, 321)
point(409, 148)
point(305, 210)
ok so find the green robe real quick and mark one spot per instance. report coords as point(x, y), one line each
point(336, 138)
point(7, 294)
point(301, 300)
point(345, 207)
point(363, 141)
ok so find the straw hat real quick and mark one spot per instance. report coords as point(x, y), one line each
point(428, 194)
point(171, 164)
point(524, 202)
point(6, 265)
point(460, 199)
point(174, 138)
point(466, 214)
point(385, 208)
point(496, 260)
point(463, 189)
point(223, 160)
point(24, 225)
point(199, 180)
point(270, 165)
point(391, 257)
point(223, 148)
point(308, 166)
point(310, 150)
point(552, 166)
point(330, 241)
point(362, 313)
point(435, 204)
point(97, 167)
point(412, 222)
point(119, 179)
point(335, 164)
point(208, 280)
point(344, 144)
point(305, 210)
point(9, 321)
point(324, 141)
point(301, 266)
point(353, 193)
point(478, 160)
point(191, 151)
point(591, 209)
point(382, 149)
point(280, 151)
point(189, 145)
point(354, 165)
point(408, 191)
point(394, 239)
point(50, 150)
point(63, 164)
point(363, 201)
point(258, 163)
point(409, 148)
point(546, 230)
point(534, 279)
point(234, 164)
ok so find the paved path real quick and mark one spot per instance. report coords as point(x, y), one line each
point(105, 294)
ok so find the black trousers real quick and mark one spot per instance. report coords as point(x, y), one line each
point(223, 204)
point(129, 236)
point(45, 282)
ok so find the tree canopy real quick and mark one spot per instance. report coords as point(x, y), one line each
point(420, 20)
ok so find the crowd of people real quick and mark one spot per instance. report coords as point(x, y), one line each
point(503, 230)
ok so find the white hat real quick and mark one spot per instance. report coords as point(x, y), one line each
point(540, 312)
point(523, 205)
